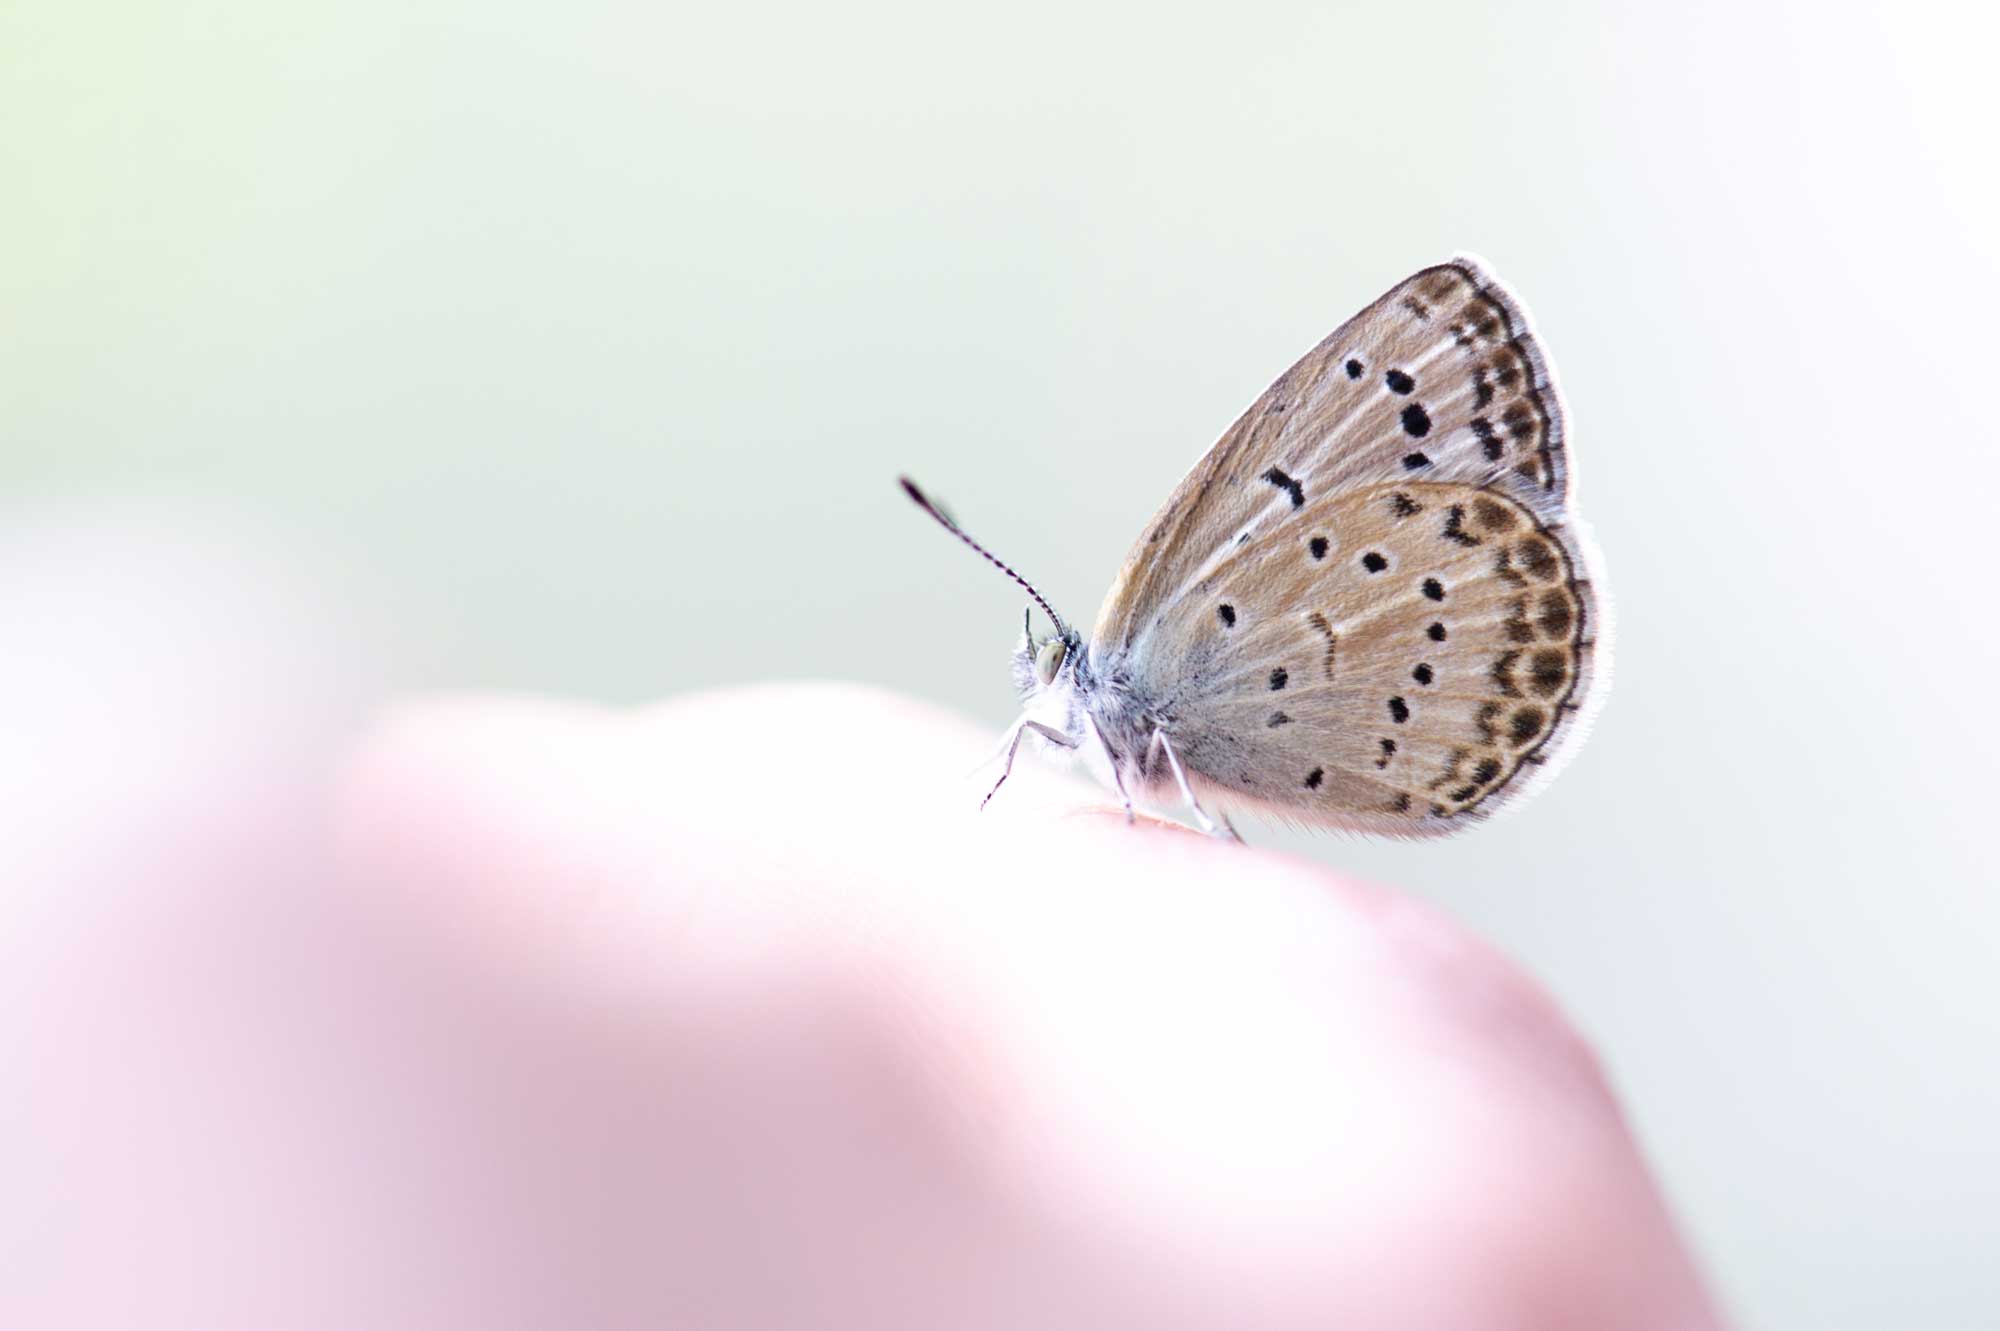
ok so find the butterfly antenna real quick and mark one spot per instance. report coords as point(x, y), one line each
point(924, 502)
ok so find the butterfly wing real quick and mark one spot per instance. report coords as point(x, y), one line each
point(1369, 605)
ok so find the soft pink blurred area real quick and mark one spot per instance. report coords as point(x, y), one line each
point(176, 1148)
point(496, 1013)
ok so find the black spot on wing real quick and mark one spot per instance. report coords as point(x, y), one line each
point(1399, 382)
point(1374, 562)
point(1227, 614)
point(1492, 515)
point(1554, 617)
point(1546, 670)
point(1354, 369)
point(1314, 777)
point(1288, 485)
point(1434, 589)
point(1278, 678)
point(1399, 711)
point(1489, 440)
point(1318, 547)
point(1540, 559)
point(1413, 461)
point(1318, 621)
point(1416, 421)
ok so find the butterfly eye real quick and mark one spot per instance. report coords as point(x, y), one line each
point(1049, 660)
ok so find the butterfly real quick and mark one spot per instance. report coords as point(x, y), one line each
point(1369, 606)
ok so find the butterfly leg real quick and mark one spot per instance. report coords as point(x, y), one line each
point(1201, 818)
point(1116, 778)
point(1021, 729)
point(1007, 740)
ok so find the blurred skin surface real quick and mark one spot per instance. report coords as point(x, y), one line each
point(514, 1012)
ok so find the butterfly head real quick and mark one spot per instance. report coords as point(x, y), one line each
point(1042, 664)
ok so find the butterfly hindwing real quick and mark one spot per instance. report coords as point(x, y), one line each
point(1396, 658)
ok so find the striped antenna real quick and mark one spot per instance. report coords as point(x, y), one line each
point(923, 501)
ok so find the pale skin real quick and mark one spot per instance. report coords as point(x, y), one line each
point(732, 1012)
point(726, 1013)
point(836, 1049)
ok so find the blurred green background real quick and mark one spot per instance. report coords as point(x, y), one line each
point(578, 346)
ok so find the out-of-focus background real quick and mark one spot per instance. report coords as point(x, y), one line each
point(575, 349)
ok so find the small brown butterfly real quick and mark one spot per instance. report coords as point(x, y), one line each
point(1369, 606)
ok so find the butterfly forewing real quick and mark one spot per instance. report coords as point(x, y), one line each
point(1367, 605)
